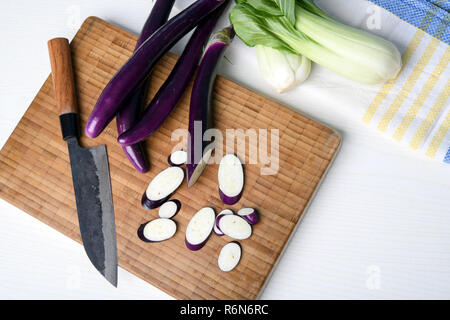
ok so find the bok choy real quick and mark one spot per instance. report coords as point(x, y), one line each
point(282, 70)
point(352, 53)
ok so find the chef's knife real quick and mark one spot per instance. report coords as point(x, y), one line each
point(90, 170)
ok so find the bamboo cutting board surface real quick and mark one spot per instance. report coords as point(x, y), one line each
point(35, 174)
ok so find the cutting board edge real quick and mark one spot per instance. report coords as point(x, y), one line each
point(305, 211)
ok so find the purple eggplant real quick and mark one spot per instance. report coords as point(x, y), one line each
point(134, 72)
point(131, 107)
point(159, 16)
point(173, 88)
point(200, 112)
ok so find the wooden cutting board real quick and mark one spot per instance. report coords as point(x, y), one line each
point(35, 174)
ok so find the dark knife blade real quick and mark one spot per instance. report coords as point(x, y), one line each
point(90, 169)
point(91, 181)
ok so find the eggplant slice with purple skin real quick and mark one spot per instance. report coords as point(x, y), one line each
point(162, 186)
point(129, 112)
point(216, 229)
point(134, 72)
point(235, 227)
point(249, 214)
point(231, 179)
point(199, 228)
point(157, 230)
point(201, 111)
point(172, 90)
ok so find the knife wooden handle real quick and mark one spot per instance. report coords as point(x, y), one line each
point(62, 75)
point(64, 86)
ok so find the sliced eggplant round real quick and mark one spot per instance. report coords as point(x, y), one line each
point(249, 214)
point(231, 179)
point(199, 228)
point(178, 158)
point(169, 209)
point(217, 231)
point(157, 230)
point(162, 186)
point(229, 256)
point(235, 227)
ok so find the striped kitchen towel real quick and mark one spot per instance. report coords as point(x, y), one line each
point(414, 108)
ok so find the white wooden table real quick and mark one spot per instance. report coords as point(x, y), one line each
point(379, 227)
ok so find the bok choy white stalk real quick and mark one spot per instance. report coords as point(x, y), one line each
point(282, 70)
point(352, 53)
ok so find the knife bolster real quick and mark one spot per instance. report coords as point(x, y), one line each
point(69, 125)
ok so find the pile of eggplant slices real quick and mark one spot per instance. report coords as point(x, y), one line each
point(123, 99)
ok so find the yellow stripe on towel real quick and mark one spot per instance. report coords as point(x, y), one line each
point(409, 85)
point(439, 137)
point(431, 117)
point(407, 54)
point(423, 95)
point(387, 87)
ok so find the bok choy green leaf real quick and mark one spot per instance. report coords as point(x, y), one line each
point(267, 6)
point(287, 7)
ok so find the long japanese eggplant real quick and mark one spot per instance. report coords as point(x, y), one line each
point(173, 88)
point(130, 111)
point(138, 66)
point(200, 112)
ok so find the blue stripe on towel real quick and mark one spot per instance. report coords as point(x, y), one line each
point(443, 4)
point(447, 156)
point(423, 14)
